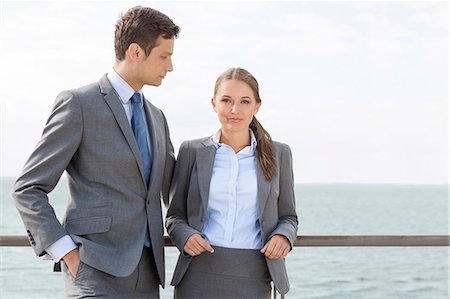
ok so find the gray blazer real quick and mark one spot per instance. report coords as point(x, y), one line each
point(189, 195)
point(88, 135)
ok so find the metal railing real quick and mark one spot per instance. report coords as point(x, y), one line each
point(311, 241)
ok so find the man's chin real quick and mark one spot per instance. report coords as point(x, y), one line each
point(155, 83)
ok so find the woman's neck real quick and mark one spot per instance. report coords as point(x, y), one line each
point(236, 140)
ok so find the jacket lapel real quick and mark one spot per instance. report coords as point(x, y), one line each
point(155, 140)
point(263, 188)
point(114, 103)
point(205, 161)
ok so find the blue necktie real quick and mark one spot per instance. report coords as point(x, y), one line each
point(140, 133)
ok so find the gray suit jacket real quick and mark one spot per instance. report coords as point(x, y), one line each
point(189, 195)
point(88, 135)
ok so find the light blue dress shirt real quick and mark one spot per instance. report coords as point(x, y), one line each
point(125, 93)
point(232, 219)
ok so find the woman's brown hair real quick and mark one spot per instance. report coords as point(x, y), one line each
point(264, 150)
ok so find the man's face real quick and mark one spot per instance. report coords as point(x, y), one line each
point(154, 67)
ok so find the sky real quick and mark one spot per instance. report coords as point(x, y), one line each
point(359, 90)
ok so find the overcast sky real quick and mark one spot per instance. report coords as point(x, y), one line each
point(359, 90)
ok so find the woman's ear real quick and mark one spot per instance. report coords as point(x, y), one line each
point(213, 103)
point(257, 108)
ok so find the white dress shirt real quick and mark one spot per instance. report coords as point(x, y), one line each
point(65, 244)
point(232, 218)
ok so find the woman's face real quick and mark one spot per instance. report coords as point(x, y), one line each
point(235, 105)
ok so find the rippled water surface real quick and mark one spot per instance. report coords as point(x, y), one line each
point(315, 273)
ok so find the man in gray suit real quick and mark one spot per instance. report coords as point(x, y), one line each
point(115, 147)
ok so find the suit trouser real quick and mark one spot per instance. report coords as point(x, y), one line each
point(90, 282)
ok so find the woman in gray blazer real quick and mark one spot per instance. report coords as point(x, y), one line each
point(232, 213)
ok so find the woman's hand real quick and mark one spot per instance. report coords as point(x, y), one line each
point(195, 245)
point(278, 247)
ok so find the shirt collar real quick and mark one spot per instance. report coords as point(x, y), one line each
point(123, 89)
point(215, 139)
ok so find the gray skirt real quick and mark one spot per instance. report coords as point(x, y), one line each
point(226, 273)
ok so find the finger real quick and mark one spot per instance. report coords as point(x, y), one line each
point(205, 245)
point(277, 250)
point(280, 245)
point(74, 269)
point(192, 250)
point(269, 250)
point(197, 248)
point(191, 247)
point(263, 250)
point(282, 249)
point(285, 252)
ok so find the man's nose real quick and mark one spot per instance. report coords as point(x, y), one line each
point(170, 66)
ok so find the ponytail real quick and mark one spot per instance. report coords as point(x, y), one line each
point(264, 149)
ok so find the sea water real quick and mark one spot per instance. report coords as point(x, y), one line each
point(314, 272)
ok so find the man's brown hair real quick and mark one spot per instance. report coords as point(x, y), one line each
point(142, 25)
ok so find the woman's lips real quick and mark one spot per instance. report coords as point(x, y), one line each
point(234, 120)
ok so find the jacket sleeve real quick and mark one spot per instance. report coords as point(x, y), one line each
point(58, 145)
point(287, 216)
point(176, 220)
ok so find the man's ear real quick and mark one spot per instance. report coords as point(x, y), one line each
point(134, 52)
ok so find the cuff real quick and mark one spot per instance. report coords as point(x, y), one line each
point(60, 248)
